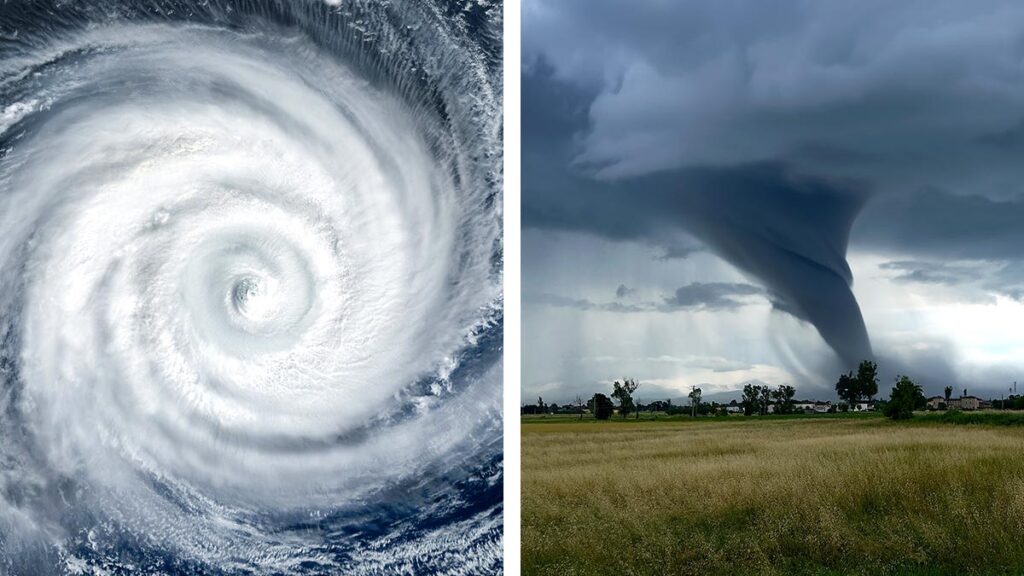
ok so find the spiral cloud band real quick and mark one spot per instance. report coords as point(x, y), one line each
point(250, 287)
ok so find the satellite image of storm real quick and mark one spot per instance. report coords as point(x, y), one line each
point(250, 287)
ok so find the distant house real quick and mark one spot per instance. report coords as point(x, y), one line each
point(961, 403)
point(734, 409)
point(965, 403)
point(863, 406)
point(812, 406)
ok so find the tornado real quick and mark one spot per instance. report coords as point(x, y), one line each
point(787, 230)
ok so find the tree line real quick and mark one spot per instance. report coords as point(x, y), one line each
point(852, 388)
point(758, 399)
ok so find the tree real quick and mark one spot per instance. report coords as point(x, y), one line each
point(783, 398)
point(579, 405)
point(765, 398)
point(602, 406)
point(852, 388)
point(867, 380)
point(751, 400)
point(948, 391)
point(694, 395)
point(624, 394)
point(540, 405)
point(904, 398)
point(848, 388)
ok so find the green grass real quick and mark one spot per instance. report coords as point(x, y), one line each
point(662, 417)
point(772, 495)
point(984, 418)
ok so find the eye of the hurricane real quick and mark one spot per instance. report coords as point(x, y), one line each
point(259, 305)
point(268, 289)
point(255, 298)
point(250, 287)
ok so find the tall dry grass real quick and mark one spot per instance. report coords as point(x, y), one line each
point(762, 496)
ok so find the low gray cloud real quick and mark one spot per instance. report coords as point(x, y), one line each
point(557, 301)
point(931, 272)
point(713, 295)
point(982, 278)
point(714, 363)
point(680, 251)
point(622, 291)
point(695, 296)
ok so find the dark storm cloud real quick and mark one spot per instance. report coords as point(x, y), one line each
point(905, 90)
point(767, 130)
point(622, 291)
point(787, 230)
point(942, 224)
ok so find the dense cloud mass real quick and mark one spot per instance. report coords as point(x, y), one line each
point(250, 287)
point(786, 138)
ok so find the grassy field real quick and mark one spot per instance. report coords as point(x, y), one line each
point(826, 495)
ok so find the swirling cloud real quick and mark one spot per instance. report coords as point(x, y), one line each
point(249, 287)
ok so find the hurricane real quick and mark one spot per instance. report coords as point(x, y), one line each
point(250, 287)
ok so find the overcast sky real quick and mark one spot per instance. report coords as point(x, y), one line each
point(717, 192)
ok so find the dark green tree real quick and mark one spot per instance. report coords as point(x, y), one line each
point(783, 398)
point(602, 406)
point(847, 388)
point(948, 391)
point(624, 394)
point(764, 398)
point(867, 380)
point(905, 397)
point(751, 400)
